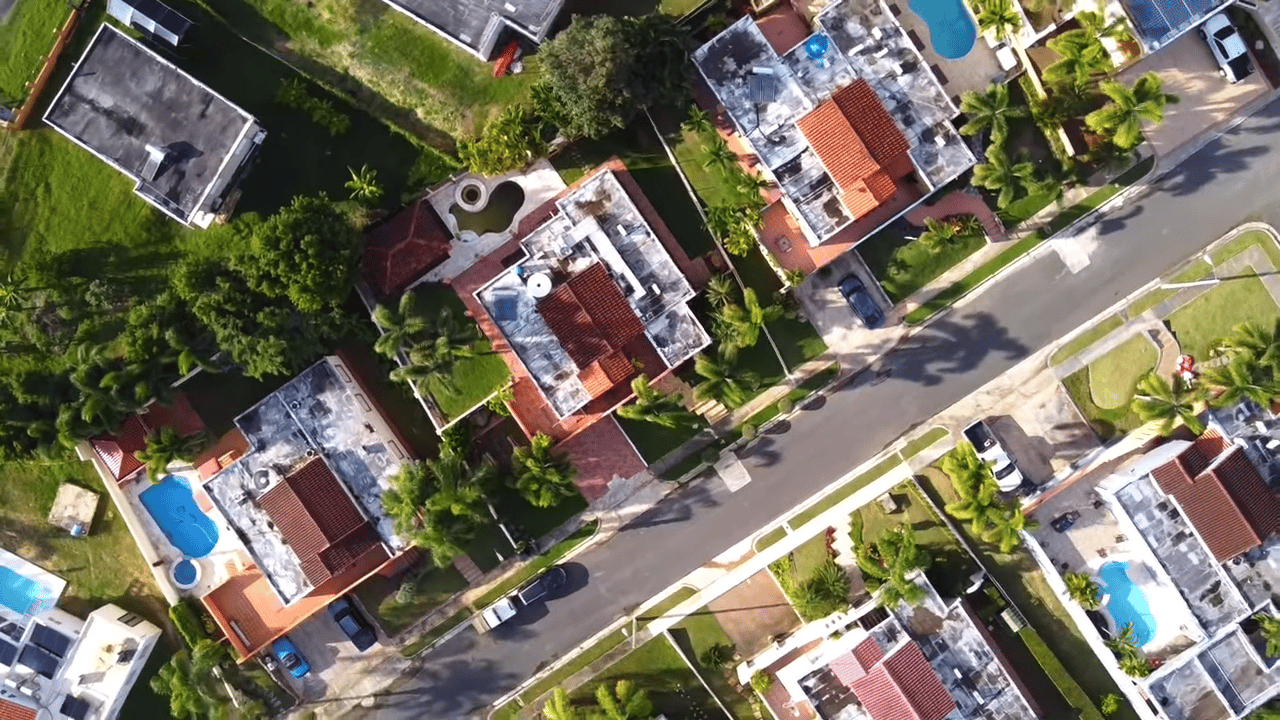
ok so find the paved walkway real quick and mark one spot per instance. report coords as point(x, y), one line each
point(960, 202)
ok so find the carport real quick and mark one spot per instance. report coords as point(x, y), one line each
point(1157, 21)
point(1206, 100)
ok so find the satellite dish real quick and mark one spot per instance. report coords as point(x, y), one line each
point(816, 48)
point(539, 285)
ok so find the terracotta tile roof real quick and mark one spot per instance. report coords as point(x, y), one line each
point(598, 328)
point(177, 413)
point(1222, 495)
point(10, 710)
point(317, 518)
point(860, 145)
point(850, 668)
point(403, 248)
point(117, 451)
point(903, 686)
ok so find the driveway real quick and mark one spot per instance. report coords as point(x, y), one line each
point(753, 613)
point(1187, 69)
point(330, 654)
point(843, 332)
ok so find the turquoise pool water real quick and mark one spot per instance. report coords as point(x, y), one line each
point(951, 31)
point(23, 595)
point(173, 507)
point(1128, 603)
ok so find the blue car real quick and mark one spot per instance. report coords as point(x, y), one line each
point(855, 293)
point(287, 653)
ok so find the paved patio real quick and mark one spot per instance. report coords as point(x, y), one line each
point(753, 613)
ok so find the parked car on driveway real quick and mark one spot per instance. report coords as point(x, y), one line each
point(1228, 48)
point(1063, 522)
point(287, 653)
point(855, 293)
point(989, 450)
point(352, 623)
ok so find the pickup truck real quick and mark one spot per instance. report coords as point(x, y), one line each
point(989, 451)
point(531, 592)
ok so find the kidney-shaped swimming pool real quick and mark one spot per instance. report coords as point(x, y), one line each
point(173, 506)
point(1128, 603)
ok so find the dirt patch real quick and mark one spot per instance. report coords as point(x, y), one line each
point(753, 613)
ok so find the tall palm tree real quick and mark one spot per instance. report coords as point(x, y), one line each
point(740, 325)
point(1255, 340)
point(1166, 402)
point(1096, 22)
point(1269, 626)
point(1006, 178)
point(1006, 532)
point(560, 707)
point(698, 122)
point(400, 324)
point(1081, 59)
point(718, 154)
point(975, 488)
point(542, 476)
point(663, 409)
point(990, 109)
point(438, 504)
point(624, 701)
point(165, 447)
point(722, 289)
point(1122, 118)
point(1242, 376)
point(1083, 590)
point(722, 382)
point(363, 184)
point(999, 17)
point(425, 368)
point(889, 561)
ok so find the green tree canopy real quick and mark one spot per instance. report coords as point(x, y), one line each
point(1121, 119)
point(542, 476)
point(509, 141)
point(306, 252)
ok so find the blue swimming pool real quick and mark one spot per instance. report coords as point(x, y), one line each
point(173, 506)
point(23, 595)
point(1128, 603)
point(951, 31)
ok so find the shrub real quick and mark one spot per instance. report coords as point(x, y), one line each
point(187, 621)
point(293, 94)
point(786, 405)
point(748, 431)
point(508, 142)
point(716, 656)
point(761, 681)
point(710, 455)
point(406, 591)
point(1110, 704)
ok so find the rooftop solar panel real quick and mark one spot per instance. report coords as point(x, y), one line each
point(74, 708)
point(55, 642)
point(8, 651)
point(41, 662)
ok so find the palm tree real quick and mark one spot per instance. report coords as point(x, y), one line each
point(750, 185)
point(740, 325)
point(1083, 590)
point(438, 504)
point(1243, 376)
point(990, 109)
point(1158, 400)
point(1096, 23)
point(722, 289)
point(1004, 177)
point(722, 382)
point(889, 561)
point(1122, 118)
point(1255, 340)
point(363, 184)
point(541, 476)
point(698, 122)
point(721, 219)
point(1006, 533)
point(974, 486)
point(999, 17)
point(625, 701)
point(165, 447)
point(437, 350)
point(718, 154)
point(401, 324)
point(938, 233)
point(559, 707)
point(1269, 626)
point(1081, 58)
point(425, 369)
point(663, 409)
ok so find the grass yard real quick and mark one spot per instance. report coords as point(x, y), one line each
point(802, 391)
point(1022, 580)
point(952, 567)
point(770, 538)
point(471, 381)
point(432, 588)
point(678, 7)
point(924, 442)
point(1210, 317)
point(1197, 270)
point(713, 186)
point(904, 265)
point(658, 668)
point(654, 441)
point(797, 340)
point(104, 567)
point(1106, 424)
point(844, 492)
point(639, 147)
point(1083, 340)
point(1245, 241)
point(1113, 376)
point(694, 635)
point(27, 36)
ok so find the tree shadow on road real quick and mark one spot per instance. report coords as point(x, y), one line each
point(1214, 160)
point(949, 346)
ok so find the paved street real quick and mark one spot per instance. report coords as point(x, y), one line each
point(1231, 180)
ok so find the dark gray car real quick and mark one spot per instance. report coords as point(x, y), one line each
point(543, 585)
point(855, 293)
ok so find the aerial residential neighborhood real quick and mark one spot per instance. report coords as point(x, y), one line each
point(640, 359)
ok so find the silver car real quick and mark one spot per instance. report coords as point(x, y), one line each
point(1228, 48)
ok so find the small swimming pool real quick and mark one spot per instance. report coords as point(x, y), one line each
point(23, 595)
point(1128, 603)
point(497, 214)
point(173, 506)
point(951, 31)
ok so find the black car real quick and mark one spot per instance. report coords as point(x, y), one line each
point(352, 623)
point(1063, 522)
point(855, 293)
point(543, 585)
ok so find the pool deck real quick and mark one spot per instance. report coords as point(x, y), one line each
point(974, 71)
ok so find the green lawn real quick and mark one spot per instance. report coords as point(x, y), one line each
point(1113, 376)
point(1245, 241)
point(426, 639)
point(1022, 209)
point(1083, 340)
point(103, 567)
point(922, 443)
point(1198, 270)
point(694, 635)
point(919, 264)
point(1210, 317)
point(678, 7)
point(844, 492)
point(1021, 578)
point(433, 587)
point(654, 441)
point(471, 381)
point(27, 36)
point(801, 391)
point(658, 668)
point(770, 538)
point(797, 340)
point(952, 567)
point(1105, 423)
point(713, 186)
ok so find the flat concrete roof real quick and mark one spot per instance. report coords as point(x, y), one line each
point(474, 22)
point(122, 98)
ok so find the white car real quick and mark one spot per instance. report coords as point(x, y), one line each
point(1007, 476)
point(1228, 48)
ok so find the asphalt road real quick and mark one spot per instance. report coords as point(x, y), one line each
point(1232, 180)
